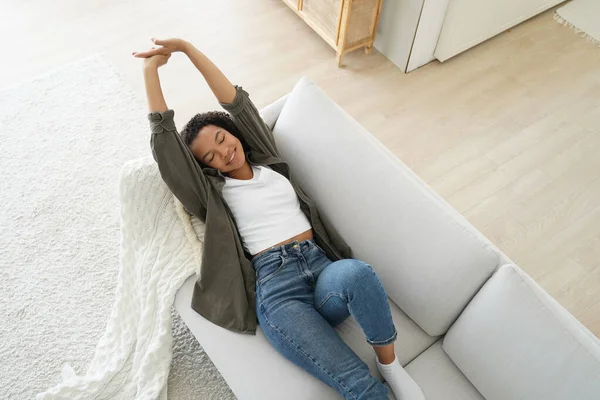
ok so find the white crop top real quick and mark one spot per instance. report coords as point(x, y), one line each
point(266, 209)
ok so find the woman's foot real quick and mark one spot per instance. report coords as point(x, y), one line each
point(403, 386)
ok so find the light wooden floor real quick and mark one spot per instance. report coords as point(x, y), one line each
point(508, 132)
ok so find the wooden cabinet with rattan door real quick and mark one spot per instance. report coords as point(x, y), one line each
point(346, 25)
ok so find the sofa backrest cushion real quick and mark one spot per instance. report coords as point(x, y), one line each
point(514, 341)
point(431, 264)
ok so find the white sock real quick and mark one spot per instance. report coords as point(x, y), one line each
point(403, 386)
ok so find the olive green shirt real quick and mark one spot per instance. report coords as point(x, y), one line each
point(224, 292)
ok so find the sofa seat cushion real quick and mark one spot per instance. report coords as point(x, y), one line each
point(514, 341)
point(430, 262)
point(439, 377)
point(255, 370)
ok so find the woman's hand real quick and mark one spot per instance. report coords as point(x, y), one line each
point(168, 46)
point(156, 61)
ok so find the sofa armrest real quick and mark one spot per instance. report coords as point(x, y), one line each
point(514, 341)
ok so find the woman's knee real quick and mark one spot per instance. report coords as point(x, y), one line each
point(355, 270)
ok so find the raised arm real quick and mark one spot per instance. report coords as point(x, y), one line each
point(232, 98)
point(221, 87)
point(154, 95)
point(236, 101)
point(176, 163)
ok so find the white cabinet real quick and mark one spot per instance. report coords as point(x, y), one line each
point(412, 33)
point(470, 22)
point(408, 31)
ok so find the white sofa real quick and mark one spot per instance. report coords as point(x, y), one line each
point(471, 324)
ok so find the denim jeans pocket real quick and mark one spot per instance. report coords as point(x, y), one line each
point(269, 267)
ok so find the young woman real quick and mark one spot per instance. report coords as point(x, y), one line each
point(301, 294)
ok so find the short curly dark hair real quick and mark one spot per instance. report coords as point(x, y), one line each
point(217, 118)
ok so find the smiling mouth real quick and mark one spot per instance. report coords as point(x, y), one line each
point(232, 157)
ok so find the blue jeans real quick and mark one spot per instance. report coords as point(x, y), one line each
point(301, 295)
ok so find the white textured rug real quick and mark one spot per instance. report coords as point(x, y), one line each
point(583, 16)
point(65, 136)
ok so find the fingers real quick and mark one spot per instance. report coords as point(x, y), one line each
point(149, 53)
point(154, 51)
point(143, 54)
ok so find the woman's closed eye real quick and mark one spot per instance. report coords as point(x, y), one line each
point(221, 142)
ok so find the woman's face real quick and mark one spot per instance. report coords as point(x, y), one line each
point(219, 149)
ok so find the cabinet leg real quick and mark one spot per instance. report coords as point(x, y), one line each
point(340, 58)
point(368, 49)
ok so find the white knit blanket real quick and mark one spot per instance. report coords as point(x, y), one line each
point(161, 246)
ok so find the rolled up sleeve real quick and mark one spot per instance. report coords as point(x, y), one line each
point(162, 121)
